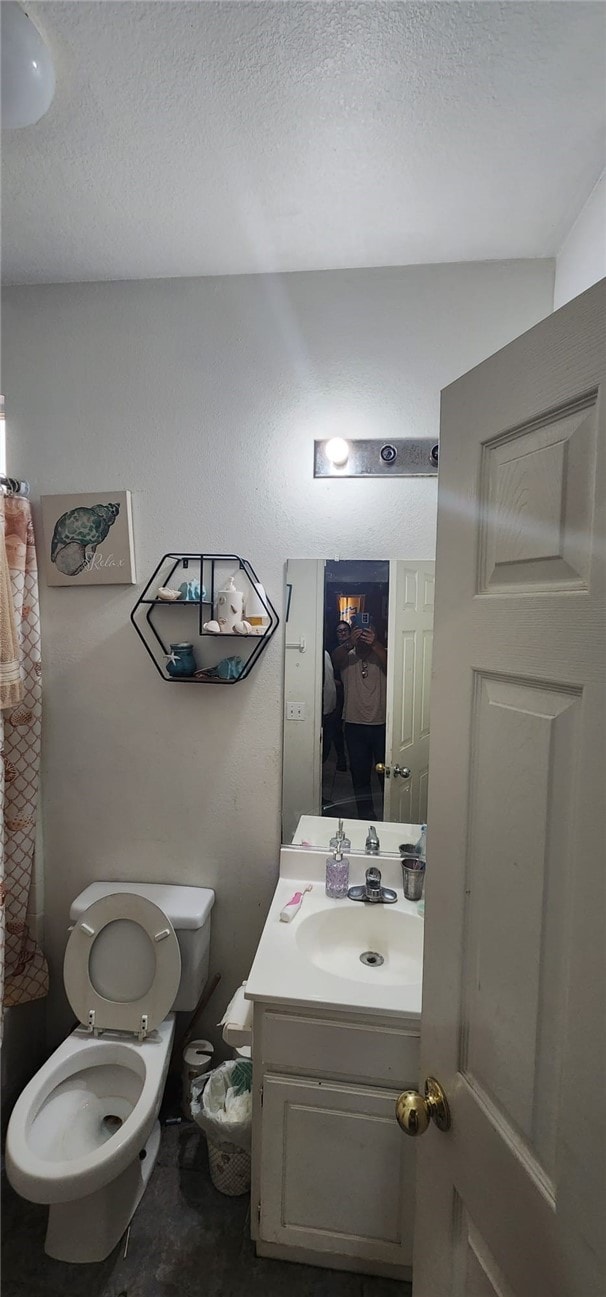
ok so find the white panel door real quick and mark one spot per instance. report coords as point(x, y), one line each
point(512, 1200)
point(335, 1176)
point(409, 640)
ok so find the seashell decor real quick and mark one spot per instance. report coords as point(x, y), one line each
point(10, 771)
point(167, 594)
point(20, 716)
point(19, 824)
point(77, 534)
point(71, 558)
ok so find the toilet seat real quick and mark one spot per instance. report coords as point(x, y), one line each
point(92, 965)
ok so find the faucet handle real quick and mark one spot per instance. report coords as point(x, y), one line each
point(373, 876)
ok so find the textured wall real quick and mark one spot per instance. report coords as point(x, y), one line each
point(582, 260)
point(203, 397)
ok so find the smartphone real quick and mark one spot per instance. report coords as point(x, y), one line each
point(360, 621)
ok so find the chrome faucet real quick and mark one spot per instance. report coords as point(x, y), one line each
point(372, 842)
point(372, 891)
point(373, 884)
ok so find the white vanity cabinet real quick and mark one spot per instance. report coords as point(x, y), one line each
point(333, 1175)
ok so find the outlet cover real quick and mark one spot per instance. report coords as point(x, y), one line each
point(295, 711)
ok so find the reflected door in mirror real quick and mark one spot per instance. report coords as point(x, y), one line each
point(410, 639)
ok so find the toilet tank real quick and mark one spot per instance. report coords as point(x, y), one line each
point(188, 909)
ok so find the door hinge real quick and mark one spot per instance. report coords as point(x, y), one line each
point(261, 1095)
point(259, 1212)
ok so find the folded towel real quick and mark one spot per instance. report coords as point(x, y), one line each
point(11, 681)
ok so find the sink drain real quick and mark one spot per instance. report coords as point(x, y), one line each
point(372, 959)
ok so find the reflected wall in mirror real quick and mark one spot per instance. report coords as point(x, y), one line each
point(356, 688)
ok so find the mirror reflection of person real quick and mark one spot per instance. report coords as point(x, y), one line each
point(361, 660)
point(334, 730)
point(332, 726)
point(343, 632)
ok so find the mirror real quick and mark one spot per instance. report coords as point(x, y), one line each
point(357, 674)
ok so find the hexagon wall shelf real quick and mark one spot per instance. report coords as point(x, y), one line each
point(158, 623)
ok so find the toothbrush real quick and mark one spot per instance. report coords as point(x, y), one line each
point(294, 905)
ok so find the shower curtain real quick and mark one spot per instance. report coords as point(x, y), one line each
point(23, 968)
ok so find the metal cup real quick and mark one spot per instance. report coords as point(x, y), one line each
point(413, 877)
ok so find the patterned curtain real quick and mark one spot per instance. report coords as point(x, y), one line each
point(23, 968)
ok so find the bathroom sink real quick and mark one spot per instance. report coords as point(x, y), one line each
point(363, 943)
point(339, 954)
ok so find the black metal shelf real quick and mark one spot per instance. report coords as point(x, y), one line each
point(178, 603)
point(150, 636)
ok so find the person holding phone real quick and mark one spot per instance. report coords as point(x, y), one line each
point(333, 725)
point(362, 662)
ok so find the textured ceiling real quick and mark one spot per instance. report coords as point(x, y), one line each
point(217, 138)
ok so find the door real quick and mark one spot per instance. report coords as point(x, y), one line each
point(512, 1201)
point(335, 1174)
point(409, 640)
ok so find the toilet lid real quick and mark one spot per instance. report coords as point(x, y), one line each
point(122, 964)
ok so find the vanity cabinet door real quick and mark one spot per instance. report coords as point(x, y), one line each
point(336, 1173)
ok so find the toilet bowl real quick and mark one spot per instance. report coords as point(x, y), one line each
point(77, 1133)
point(83, 1136)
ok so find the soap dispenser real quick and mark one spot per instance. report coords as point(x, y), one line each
point(228, 607)
point(337, 875)
point(340, 840)
point(421, 845)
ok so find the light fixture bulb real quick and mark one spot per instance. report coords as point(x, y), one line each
point(337, 451)
point(28, 75)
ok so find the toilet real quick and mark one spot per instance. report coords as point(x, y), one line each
point(84, 1134)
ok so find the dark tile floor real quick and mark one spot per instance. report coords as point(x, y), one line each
point(186, 1240)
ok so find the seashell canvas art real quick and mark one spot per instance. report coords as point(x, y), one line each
point(88, 539)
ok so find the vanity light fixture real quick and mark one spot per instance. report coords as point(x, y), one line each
point(369, 457)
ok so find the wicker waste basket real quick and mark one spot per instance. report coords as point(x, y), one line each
point(221, 1106)
point(229, 1168)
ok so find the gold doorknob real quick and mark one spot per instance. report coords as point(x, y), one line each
point(415, 1111)
point(402, 771)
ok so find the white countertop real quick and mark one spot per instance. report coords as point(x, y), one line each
point(317, 830)
point(282, 972)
